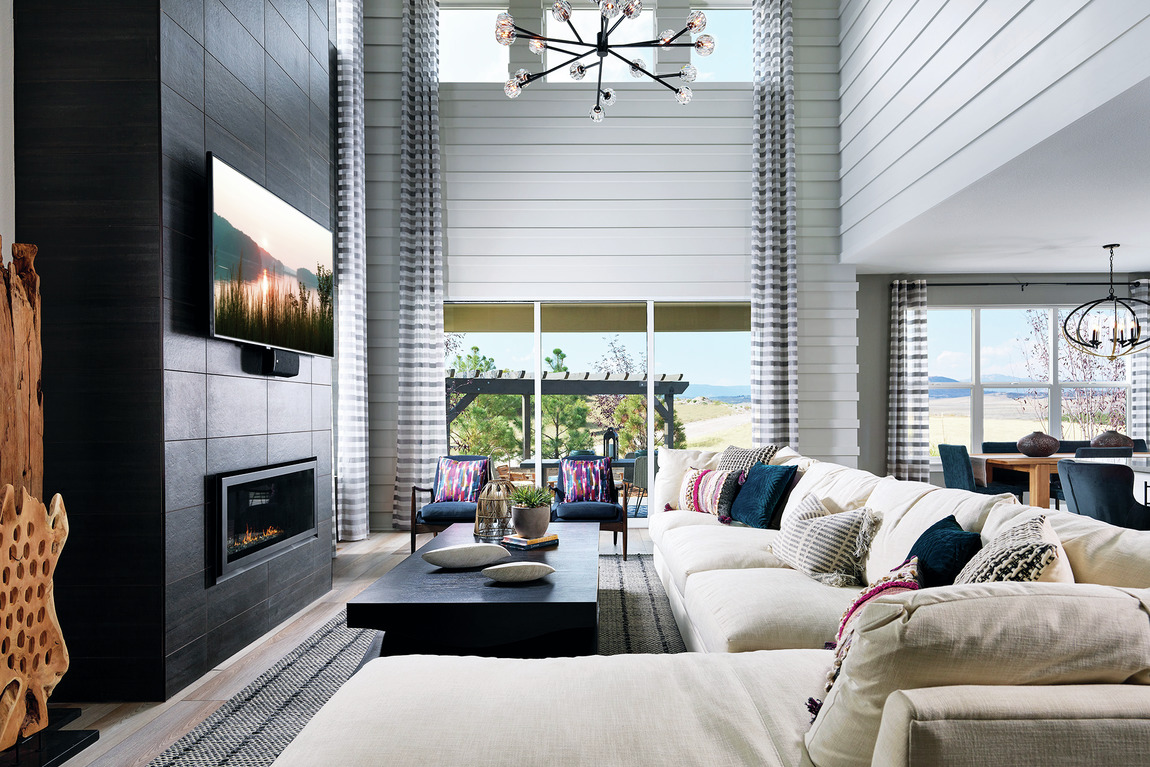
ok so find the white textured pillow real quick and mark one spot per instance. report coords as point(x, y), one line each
point(827, 546)
point(978, 634)
point(466, 555)
point(673, 464)
point(1029, 551)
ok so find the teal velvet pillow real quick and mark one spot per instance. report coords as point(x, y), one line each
point(760, 495)
point(943, 550)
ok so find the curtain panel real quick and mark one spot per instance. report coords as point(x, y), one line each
point(908, 414)
point(351, 432)
point(422, 419)
point(774, 282)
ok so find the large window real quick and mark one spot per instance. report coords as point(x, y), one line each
point(468, 52)
point(997, 374)
point(587, 23)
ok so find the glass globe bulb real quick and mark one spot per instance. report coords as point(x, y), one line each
point(521, 76)
point(688, 73)
point(512, 88)
point(696, 22)
point(637, 67)
point(577, 71)
point(536, 46)
point(504, 20)
point(632, 8)
point(561, 10)
point(683, 95)
point(504, 35)
point(596, 114)
point(609, 97)
point(609, 8)
point(705, 45)
point(666, 36)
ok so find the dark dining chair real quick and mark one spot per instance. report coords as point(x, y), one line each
point(1103, 491)
point(957, 473)
point(1104, 452)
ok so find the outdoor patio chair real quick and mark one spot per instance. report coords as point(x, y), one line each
point(436, 517)
point(610, 515)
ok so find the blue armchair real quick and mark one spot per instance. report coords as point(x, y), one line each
point(610, 516)
point(957, 473)
point(1104, 491)
point(436, 517)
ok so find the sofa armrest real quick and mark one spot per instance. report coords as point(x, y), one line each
point(976, 725)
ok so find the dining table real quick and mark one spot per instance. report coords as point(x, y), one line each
point(1038, 468)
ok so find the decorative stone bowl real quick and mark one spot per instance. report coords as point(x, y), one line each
point(1111, 438)
point(1038, 444)
point(531, 522)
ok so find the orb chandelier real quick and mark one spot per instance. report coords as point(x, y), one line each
point(506, 32)
point(1108, 327)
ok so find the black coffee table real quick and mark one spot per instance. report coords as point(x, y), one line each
point(420, 608)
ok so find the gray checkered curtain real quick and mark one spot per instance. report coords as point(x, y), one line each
point(1139, 425)
point(422, 432)
point(351, 448)
point(908, 416)
point(774, 284)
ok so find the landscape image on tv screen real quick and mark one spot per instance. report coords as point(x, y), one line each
point(272, 268)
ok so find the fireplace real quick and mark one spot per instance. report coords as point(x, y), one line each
point(262, 513)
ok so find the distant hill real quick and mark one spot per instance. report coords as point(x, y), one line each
point(946, 393)
point(238, 254)
point(724, 393)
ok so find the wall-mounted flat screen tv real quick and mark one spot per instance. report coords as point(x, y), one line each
point(272, 280)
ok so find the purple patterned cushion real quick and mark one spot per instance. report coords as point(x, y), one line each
point(709, 491)
point(586, 480)
point(460, 480)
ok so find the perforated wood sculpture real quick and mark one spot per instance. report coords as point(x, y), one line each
point(33, 656)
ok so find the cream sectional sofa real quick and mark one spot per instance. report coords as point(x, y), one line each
point(979, 674)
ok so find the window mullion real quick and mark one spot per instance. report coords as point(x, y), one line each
point(976, 409)
point(1055, 400)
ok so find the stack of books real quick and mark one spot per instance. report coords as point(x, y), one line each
point(523, 544)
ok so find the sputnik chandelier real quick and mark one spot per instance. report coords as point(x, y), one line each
point(506, 32)
point(1108, 327)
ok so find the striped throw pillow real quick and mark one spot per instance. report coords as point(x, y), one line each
point(1029, 551)
point(460, 480)
point(709, 491)
point(742, 459)
point(829, 547)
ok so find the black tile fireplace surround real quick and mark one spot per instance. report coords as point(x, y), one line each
point(262, 513)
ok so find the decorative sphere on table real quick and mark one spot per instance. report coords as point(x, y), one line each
point(1111, 438)
point(1038, 444)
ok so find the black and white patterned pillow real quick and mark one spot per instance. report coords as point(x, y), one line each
point(829, 547)
point(742, 459)
point(1020, 553)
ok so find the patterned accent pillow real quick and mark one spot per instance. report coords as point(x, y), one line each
point(585, 480)
point(829, 547)
point(903, 578)
point(1029, 551)
point(742, 459)
point(709, 491)
point(460, 480)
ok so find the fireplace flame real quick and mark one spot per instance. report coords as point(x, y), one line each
point(253, 538)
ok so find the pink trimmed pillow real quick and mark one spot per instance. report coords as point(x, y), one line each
point(708, 491)
point(460, 481)
point(585, 480)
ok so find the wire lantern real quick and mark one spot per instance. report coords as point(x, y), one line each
point(1108, 327)
point(493, 510)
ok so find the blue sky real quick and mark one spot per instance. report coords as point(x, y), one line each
point(715, 359)
point(469, 53)
point(1004, 343)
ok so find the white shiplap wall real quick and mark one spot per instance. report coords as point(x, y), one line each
point(938, 93)
point(652, 203)
point(382, 51)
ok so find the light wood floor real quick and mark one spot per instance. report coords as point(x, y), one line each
point(132, 734)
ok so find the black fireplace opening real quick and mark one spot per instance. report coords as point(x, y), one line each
point(263, 512)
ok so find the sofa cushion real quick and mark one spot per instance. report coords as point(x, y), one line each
point(1097, 552)
point(909, 508)
point(658, 524)
point(447, 512)
point(943, 550)
point(765, 608)
point(843, 487)
point(694, 549)
point(587, 511)
point(1028, 551)
point(673, 464)
point(987, 634)
point(687, 708)
point(829, 547)
point(761, 493)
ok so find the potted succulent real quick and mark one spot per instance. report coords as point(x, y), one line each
point(531, 511)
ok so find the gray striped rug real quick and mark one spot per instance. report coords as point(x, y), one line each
point(252, 728)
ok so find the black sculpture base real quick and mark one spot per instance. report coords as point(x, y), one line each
point(51, 746)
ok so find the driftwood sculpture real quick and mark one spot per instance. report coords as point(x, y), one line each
point(33, 656)
point(21, 399)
